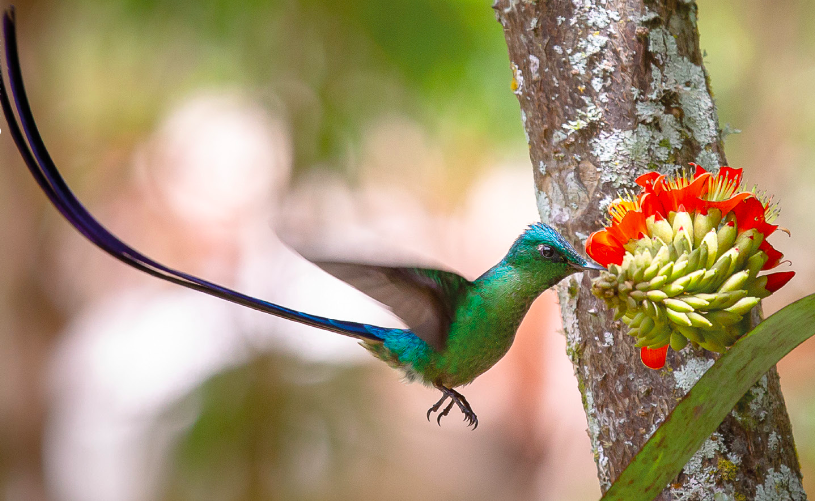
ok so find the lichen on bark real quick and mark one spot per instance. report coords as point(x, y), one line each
point(609, 89)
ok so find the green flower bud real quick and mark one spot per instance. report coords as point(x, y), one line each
point(683, 281)
point(693, 280)
point(707, 280)
point(693, 259)
point(646, 326)
point(704, 224)
point(679, 267)
point(678, 341)
point(651, 271)
point(682, 223)
point(723, 264)
point(637, 320)
point(711, 242)
point(727, 234)
point(638, 272)
point(722, 317)
point(724, 300)
point(698, 320)
point(712, 343)
point(691, 333)
point(673, 290)
point(743, 305)
point(755, 263)
point(696, 302)
point(682, 242)
point(678, 318)
point(702, 258)
point(744, 245)
point(678, 305)
point(660, 229)
point(657, 282)
point(735, 282)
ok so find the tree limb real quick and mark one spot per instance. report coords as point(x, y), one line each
point(609, 89)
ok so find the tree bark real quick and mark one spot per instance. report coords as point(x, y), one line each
point(608, 90)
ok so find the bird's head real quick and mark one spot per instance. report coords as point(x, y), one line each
point(541, 249)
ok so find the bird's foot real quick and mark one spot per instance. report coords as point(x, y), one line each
point(457, 399)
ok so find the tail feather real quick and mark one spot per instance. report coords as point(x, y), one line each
point(47, 175)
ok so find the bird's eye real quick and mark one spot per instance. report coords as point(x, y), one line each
point(547, 251)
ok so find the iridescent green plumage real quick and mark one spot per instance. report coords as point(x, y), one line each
point(484, 314)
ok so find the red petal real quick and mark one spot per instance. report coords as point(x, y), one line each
point(773, 256)
point(725, 205)
point(632, 226)
point(777, 280)
point(604, 249)
point(659, 185)
point(731, 174)
point(687, 196)
point(648, 180)
point(650, 205)
point(699, 170)
point(750, 214)
point(654, 359)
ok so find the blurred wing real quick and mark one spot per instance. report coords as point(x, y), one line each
point(424, 299)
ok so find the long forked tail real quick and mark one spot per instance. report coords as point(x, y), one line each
point(42, 167)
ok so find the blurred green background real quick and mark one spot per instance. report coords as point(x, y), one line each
point(364, 121)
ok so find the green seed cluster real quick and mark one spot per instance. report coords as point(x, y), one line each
point(695, 278)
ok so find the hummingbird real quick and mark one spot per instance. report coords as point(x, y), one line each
point(457, 328)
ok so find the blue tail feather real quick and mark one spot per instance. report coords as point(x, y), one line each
point(47, 175)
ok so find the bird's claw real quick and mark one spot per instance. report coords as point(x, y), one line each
point(437, 406)
point(457, 399)
point(445, 412)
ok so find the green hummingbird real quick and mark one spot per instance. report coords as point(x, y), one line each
point(458, 328)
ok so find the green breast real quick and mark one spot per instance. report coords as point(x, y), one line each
point(487, 316)
point(482, 332)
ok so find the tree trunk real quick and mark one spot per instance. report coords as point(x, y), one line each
point(609, 89)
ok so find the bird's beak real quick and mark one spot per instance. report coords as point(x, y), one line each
point(588, 266)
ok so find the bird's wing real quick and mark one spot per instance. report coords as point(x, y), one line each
point(424, 298)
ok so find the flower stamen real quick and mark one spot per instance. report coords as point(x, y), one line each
point(622, 206)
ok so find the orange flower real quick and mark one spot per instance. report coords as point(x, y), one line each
point(701, 285)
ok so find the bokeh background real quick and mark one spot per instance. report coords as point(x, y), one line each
point(215, 136)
